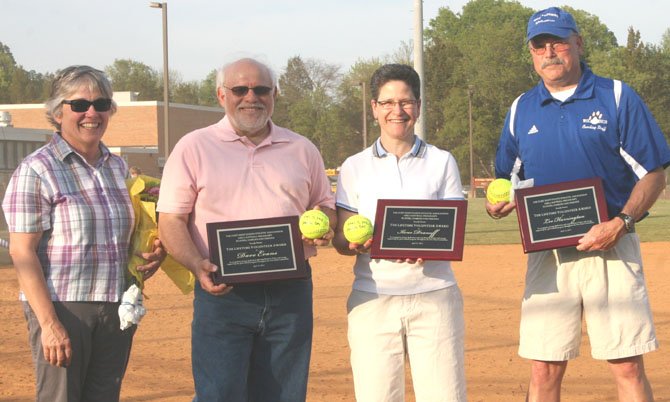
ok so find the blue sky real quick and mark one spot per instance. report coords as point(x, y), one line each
point(45, 35)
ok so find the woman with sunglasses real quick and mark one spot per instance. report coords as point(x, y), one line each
point(70, 219)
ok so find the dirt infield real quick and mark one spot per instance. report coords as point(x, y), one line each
point(491, 278)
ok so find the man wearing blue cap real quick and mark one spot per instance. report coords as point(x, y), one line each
point(576, 125)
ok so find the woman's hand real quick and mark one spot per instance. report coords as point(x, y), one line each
point(361, 248)
point(56, 344)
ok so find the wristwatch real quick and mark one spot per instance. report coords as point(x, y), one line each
point(628, 222)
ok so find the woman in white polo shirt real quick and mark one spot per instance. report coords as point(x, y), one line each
point(408, 308)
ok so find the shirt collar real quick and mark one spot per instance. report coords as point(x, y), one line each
point(418, 149)
point(62, 149)
point(584, 89)
point(228, 134)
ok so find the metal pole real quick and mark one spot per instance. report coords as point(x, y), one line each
point(473, 192)
point(419, 128)
point(365, 116)
point(166, 81)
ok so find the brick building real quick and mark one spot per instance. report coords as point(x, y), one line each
point(15, 144)
point(136, 130)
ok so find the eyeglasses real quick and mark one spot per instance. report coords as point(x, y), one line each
point(82, 105)
point(557, 46)
point(391, 104)
point(243, 91)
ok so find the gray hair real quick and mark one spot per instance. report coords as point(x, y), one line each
point(69, 80)
point(221, 72)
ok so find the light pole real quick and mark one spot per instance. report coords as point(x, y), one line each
point(365, 116)
point(166, 81)
point(473, 192)
point(420, 127)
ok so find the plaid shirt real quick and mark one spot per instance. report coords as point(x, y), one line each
point(85, 215)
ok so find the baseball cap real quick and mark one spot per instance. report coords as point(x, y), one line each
point(551, 21)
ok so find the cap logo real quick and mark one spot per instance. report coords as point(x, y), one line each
point(543, 18)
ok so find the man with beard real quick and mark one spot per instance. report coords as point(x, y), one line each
point(576, 125)
point(250, 342)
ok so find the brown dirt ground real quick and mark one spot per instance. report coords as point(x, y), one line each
point(491, 278)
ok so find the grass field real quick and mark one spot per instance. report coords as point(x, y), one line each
point(481, 229)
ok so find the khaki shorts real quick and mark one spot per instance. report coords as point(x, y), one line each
point(607, 288)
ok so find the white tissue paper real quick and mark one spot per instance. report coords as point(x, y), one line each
point(131, 309)
point(518, 183)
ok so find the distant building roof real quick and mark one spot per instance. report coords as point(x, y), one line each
point(24, 134)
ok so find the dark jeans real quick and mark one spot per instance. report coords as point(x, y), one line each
point(100, 353)
point(254, 343)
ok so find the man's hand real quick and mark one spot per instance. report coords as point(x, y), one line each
point(323, 241)
point(603, 236)
point(500, 209)
point(203, 272)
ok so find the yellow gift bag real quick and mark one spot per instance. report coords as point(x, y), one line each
point(144, 194)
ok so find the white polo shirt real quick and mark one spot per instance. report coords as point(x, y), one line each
point(425, 173)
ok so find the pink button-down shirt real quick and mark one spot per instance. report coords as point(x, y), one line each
point(215, 175)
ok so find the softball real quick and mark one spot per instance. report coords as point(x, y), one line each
point(498, 191)
point(314, 224)
point(357, 229)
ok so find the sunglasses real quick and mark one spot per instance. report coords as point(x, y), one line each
point(557, 47)
point(243, 91)
point(82, 105)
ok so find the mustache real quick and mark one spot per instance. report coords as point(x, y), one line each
point(255, 105)
point(551, 62)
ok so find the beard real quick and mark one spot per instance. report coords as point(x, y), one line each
point(250, 123)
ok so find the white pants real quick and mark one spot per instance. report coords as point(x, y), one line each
point(428, 328)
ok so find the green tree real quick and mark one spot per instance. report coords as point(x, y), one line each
point(186, 92)
point(130, 75)
point(307, 103)
point(349, 109)
point(644, 67)
point(28, 87)
point(207, 90)
point(295, 85)
point(597, 37)
point(18, 85)
point(482, 54)
point(403, 55)
point(665, 41)
point(7, 67)
point(483, 51)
